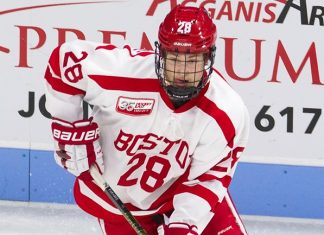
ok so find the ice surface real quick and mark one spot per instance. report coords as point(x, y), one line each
point(22, 218)
point(18, 218)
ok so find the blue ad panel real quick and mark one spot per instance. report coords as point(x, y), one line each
point(257, 189)
point(14, 174)
point(279, 190)
point(48, 181)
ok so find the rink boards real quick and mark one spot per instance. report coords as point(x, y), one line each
point(257, 189)
point(269, 51)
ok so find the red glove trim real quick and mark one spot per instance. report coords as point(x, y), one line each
point(180, 229)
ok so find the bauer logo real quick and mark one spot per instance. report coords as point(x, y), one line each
point(134, 106)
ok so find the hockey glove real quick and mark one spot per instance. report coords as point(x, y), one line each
point(179, 229)
point(77, 145)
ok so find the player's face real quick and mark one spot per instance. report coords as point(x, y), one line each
point(183, 69)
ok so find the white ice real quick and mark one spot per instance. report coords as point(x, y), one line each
point(22, 218)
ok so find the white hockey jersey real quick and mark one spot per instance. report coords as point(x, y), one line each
point(154, 154)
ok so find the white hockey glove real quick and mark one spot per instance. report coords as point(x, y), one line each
point(177, 229)
point(77, 145)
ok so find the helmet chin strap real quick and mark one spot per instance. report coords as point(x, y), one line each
point(179, 95)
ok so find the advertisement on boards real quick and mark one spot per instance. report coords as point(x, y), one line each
point(270, 51)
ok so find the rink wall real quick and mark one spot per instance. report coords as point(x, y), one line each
point(257, 189)
point(269, 51)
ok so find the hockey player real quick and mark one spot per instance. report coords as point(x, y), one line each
point(171, 129)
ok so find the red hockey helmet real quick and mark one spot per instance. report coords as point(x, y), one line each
point(187, 29)
point(185, 32)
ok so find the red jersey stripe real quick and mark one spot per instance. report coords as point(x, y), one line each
point(226, 180)
point(126, 83)
point(54, 61)
point(220, 117)
point(95, 208)
point(219, 169)
point(56, 83)
point(59, 85)
point(202, 192)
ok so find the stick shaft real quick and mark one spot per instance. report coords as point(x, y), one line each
point(116, 200)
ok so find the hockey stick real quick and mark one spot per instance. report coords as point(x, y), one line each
point(116, 200)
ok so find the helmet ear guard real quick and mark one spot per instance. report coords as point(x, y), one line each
point(185, 30)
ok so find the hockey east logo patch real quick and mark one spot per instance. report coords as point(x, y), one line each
point(134, 106)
